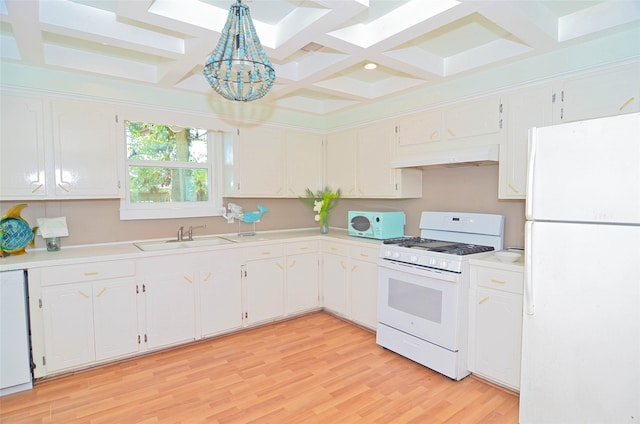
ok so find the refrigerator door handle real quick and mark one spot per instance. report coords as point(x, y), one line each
point(530, 166)
point(528, 272)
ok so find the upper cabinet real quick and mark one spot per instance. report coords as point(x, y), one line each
point(22, 148)
point(609, 93)
point(54, 149)
point(423, 137)
point(272, 162)
point(358, 162)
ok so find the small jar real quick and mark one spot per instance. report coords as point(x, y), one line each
point(53, 244)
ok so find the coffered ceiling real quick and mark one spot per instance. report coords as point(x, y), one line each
point(318, 47)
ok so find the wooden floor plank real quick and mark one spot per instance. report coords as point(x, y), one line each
point(312, 369)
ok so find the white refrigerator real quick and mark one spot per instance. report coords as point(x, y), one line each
point(581, 326)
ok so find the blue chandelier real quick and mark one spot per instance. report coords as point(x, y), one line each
point(239, 69)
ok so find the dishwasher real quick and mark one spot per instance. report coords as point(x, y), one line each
point(15, 352)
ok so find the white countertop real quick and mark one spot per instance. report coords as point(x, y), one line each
point(36, 258)
point(490, 259)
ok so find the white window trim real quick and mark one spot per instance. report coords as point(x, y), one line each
point(212, 207)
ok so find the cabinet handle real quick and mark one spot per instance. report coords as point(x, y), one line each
point(353, 268)
point(515, 190)
point(279, 265)
point(207, 277)
point(187, 279)
point(342, 264)
point(83, 294)
point(304, 248)
point(265, 253)
point(292, 264)
point(451, 132)
point(493, 280)
point(333, 249)
point(104, 289)
point(483, 300)
point(38, 187)
point(433, 134)
point(627, 103)
point(90, 273)
point(364, 255)
point(63, 187)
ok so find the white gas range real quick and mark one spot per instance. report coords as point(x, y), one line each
point(424, 284)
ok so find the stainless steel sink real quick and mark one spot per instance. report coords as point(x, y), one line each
point(244, 238)
point(152, 246)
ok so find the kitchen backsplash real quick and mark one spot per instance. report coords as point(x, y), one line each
point(470, 189)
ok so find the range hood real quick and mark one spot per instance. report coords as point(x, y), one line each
point(470, 156)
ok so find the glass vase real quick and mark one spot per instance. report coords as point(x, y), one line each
point(324, 225)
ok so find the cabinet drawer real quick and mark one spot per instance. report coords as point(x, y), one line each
point(364, 253)
point(509, 281)
point(263, 252)
point(86, 272)
point(301, 247)
point(335, 248)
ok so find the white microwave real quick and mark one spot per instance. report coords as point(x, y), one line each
point(376, 225)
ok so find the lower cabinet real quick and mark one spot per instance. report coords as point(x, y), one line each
point(495, 322)
point(350, 281)
point(263, 276)
point(302, 279)
point(72, 315)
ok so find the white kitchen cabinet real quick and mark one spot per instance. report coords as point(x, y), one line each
point(495, 321)
point(525, 108)
point(303, 162)
point(302, 279)
point(335, 277)
point(263, 276)
point(68, 326)
point(55, 149)
point(364, 285)
point(72, 314)
point(417, 129)
point(220, 294)
point(474, 119)
point(359, 163)
point(169, 291)
point(115, 318)
point(272, 162)
point(607, 93)
point(85, 150)
point(22, 148)
point(340, 162)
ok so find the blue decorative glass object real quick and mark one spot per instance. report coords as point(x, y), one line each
point(238, 68)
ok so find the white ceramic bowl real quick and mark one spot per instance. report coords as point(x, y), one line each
point(506, 256)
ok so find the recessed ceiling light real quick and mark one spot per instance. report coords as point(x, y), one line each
point(369, 66)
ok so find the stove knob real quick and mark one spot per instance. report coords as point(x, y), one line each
point(433, 261)
point(396, 255)
point(387, 253)
point(443, 264)
point(413, 258)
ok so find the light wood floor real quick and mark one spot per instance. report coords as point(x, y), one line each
point(312, 369)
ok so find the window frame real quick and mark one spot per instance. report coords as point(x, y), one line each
point(172, 210)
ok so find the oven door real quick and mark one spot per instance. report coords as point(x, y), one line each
point(420, 301)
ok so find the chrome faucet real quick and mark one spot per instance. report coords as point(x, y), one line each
point(193, 228)
point(180, 233)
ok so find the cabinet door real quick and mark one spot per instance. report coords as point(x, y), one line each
point(303, 155)
point(220, 294)
point(259, 163)
point(364, 293)
point(497, 325)
point(302, 283)
point(264, 290)
point(115, 315)
point(340, 168)
point(476, 118)
point(525, 108)
point(170, 308)
point(68, 326)
point(22, 148)
point(607, 94)
point(335, 273)
point(420, 128)
point(375, 177)
point(85, 150)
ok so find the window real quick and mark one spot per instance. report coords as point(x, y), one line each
point(170, 172)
